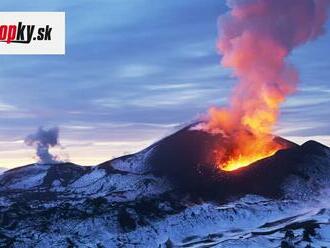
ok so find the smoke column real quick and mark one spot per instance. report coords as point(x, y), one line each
point(256, 37)
point(43, 139)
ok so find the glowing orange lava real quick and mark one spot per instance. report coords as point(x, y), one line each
point(240, 161)
point(242, 147)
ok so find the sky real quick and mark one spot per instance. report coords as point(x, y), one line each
point(135, 71)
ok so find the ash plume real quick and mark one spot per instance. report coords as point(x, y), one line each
point(256, 37)
point(42, 140)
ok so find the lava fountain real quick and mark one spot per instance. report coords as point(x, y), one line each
point(256, 37)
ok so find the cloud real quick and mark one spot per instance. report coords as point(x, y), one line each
point(6, 107)
point(174, 86)
point(136, 71)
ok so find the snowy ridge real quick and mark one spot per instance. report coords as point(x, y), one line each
point(118, 187)
point(2, 170)
point(27, 177)
point(134, 164)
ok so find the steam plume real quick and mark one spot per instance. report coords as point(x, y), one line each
point(256, 37)
point(43, 139)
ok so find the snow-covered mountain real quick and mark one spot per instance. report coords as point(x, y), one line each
point(169, 195)
point(2, 170)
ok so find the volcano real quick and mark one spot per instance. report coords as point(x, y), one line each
point(189, 159)
point(170, 194)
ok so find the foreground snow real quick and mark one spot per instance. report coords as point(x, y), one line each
point(249, 222)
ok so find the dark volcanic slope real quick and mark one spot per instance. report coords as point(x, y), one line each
point(186, 158)
point(308, 165)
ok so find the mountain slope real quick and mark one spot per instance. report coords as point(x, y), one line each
point(170, 195)
point(2, 170)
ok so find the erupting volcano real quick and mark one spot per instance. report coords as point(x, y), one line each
point(256, 38)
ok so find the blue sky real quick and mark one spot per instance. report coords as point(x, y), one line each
point(134, 71)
